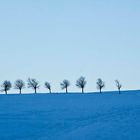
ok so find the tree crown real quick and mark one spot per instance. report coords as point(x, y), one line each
point(33, 83)
point(48, 85)
point(100, 83)
point(81, 82)
point(118, 84)
point(65, 84)
point(19, 84)
point(6, 85)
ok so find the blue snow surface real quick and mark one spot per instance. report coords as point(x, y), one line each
point(106, 116)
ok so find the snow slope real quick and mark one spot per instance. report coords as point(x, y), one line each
point(107, 116)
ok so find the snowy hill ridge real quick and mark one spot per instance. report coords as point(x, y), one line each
point(70, 116)
point(88, 92)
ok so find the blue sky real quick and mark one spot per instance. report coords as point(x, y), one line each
point(53, 40)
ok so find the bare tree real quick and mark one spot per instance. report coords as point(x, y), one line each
point(48, 86)
point(34, 84)
point(81, 83)
point(65, 84)
point(100, 84)
point(118, 85)
point(6, 86)
point(19, 84)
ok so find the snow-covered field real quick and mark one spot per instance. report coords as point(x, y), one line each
point(107, 116)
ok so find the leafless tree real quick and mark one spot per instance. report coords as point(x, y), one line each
point(34, 84)
point(100, 84)
point(48, 86)
point(118, 85)
point(6, 86)
point(81, 83)
point(19, 84)
point(65, 84)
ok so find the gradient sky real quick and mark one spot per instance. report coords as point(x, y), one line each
point(52, 40)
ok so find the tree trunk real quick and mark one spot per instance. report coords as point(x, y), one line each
point(35, 91)
point(100, 90)
point(82, 90)
point(5, 91)
point(19, 91)
point(119, 91)
point(66, 90)
point(50, 90)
